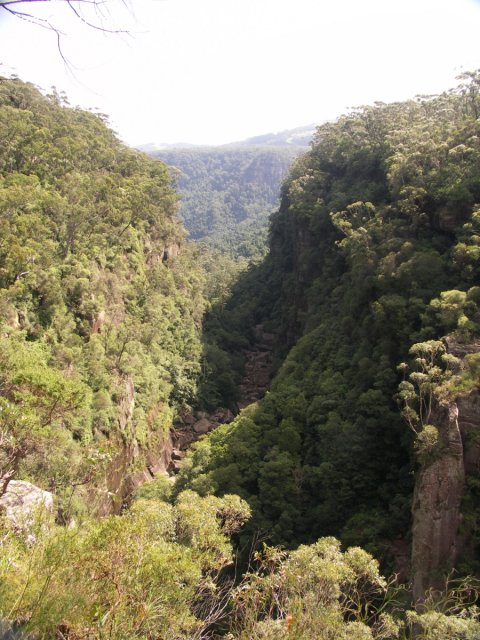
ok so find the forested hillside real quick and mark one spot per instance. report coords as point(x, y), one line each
point(228, 193)
point(373, 261)
point(100, 317)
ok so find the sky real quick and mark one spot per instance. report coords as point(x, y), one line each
point(217, 71)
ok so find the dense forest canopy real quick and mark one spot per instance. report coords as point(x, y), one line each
point(229, 192)
point(112, 326)
point(93, 310)
point(373, 250)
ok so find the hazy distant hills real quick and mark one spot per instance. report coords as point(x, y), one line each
point(298, 137)
point(229, 191)
point(152, 147)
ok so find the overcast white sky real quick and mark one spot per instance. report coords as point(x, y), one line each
point(215, 71)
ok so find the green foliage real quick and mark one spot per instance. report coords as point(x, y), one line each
point(449, 614)
point(373, 250)
point(229, 192)
point(44, 416)
point(427, 443)
point(160, 570)
point(158, 489)
point(100, 310)
point(319, 592)
point(154, 572)
point(455, 312)
point(418, 395)
point(315, 592)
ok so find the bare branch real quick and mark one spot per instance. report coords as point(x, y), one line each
point(90, 24)
point(74, 5)
point(10, 6)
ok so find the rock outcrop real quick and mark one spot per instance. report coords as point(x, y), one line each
point(188, 428)
point(258, 368)
point(437, 539)
point(436, 507)
point(131, 466)
point(26, 507)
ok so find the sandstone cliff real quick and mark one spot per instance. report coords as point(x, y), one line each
point(438, 537)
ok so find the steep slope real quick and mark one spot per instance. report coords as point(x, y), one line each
point(373, 250)
point(100, 302)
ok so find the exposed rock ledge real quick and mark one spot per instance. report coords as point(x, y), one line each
point(437, 540)
point(436, 507)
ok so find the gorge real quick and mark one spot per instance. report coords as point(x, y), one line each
point(317, 403)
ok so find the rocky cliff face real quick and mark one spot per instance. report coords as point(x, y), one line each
point(438, 539)
point(131, 467)
point(436, 507)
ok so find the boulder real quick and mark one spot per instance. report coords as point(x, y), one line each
point(25, 506)
point(202, 426)
point(222, 416)
point(175, 466)
point(183, 439)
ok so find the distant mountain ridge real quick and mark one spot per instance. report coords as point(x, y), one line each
point(297, 137)
point(152, 147)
